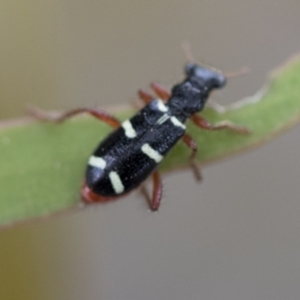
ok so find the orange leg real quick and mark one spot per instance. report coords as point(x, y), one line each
point(145, 96)
point(154, 202)
point(160, 91)
point(204, 124)
point(188, 140)
point(97, 113)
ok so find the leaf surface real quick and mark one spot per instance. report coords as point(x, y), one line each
point(42, 165)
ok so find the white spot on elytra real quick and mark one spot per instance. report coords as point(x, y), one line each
point(97, 162)
point(116, 182)
point(176, 122)
point(150, 152)
point(161, 106)
point(129, 130)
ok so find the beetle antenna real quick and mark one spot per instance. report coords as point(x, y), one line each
point(186, 46)
point(236, 73)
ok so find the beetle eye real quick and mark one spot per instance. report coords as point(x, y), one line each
point(220, 80)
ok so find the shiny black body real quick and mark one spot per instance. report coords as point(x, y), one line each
point(157, 125)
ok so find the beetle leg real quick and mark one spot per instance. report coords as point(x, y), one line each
point(97, 113)
point(154, 202)
point(145, 96)
point(160, 91)
point(188, 140)
point(157, 191)
point(204, 124)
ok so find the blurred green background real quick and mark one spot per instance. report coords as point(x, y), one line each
point(235, 236)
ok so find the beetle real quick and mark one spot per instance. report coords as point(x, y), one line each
point(133, 151)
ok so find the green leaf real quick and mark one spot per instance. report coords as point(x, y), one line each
point(42, 165)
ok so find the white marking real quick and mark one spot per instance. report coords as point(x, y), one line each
point(116, 182)
point(176, 122)
point(97, 162)
point(162, 119)
point(150, 152)
point(161, 106)
point(129, 130)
